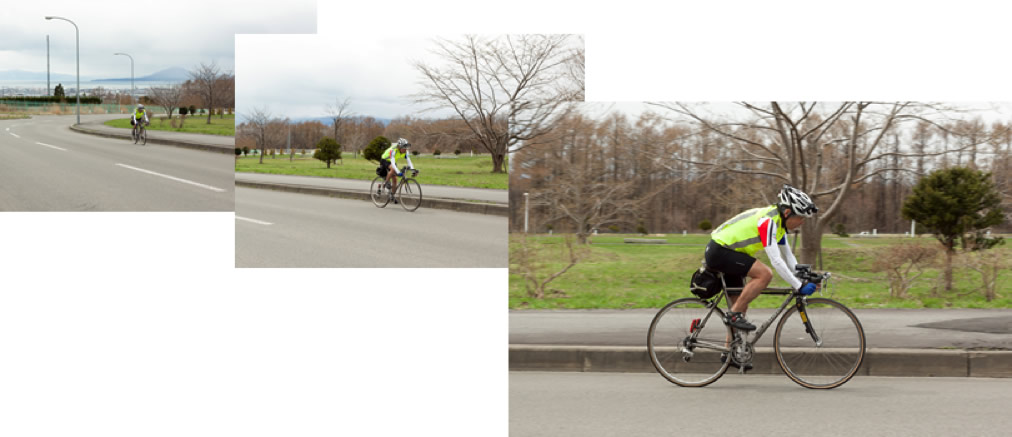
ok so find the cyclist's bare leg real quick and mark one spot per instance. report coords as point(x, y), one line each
point(760, 278)
point(392, 177)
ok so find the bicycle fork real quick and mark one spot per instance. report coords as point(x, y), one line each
point(802, 311)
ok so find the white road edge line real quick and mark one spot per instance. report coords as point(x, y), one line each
point(208, 187)
point(15, 135)
point(253, 221)
point(50, 145)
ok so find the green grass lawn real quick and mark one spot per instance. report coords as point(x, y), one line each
point(193, 124)
point(618, 275)
point(465, 171)
point(17, 116)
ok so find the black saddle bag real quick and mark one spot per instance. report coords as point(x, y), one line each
point(705, 283)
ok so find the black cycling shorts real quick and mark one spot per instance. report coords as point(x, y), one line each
point(733, 264)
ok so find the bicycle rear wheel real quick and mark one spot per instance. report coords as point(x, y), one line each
point(680, 357)
point(823, 365)
point(379, 193)
point(409, 194)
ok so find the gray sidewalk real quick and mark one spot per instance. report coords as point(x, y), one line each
point(210, 143)
point(475, 200)
point(907, 342)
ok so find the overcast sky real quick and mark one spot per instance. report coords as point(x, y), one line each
point(158, 34)
point(297, 76)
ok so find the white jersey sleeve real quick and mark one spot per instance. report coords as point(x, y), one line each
point(785, 268)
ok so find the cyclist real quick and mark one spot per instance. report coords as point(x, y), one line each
point(389, 161)
point(139, 115)
point(734, 243)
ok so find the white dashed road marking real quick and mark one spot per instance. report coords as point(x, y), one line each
point(207, 187)
point(253, 221)
point(52, 146)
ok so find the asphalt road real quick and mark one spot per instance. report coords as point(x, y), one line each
point(47, 167)
point(430, 191)
point(623, 404)
point(281, 229)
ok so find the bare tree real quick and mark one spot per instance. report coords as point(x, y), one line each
point(256, 126)
point(339, 113)
point(226, 83)
point(589, 179)
point(827, 150)
point(207, 84)
point(524, 261)
point(169, 97)
point(509, 90)
point(577, 72)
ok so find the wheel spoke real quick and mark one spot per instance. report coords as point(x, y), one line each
point(701, 362)
point(836, 360)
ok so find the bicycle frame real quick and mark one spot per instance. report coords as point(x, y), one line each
point(800, 301)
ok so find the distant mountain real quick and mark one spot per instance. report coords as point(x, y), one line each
point(35, 75)
point(174, 74)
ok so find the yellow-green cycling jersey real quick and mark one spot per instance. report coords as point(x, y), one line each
point(140, 115)
point(393, 154)
point(751, 230)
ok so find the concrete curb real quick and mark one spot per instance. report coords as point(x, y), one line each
point(177, 143)
point(453, 205)
point(877, 362)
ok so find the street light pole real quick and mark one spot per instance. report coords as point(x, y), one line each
point(47, 66)
point(132, 92)
point(527, 211)
point(77, 38)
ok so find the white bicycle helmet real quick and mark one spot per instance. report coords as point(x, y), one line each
point(797, 201)
point(402, 143)
point(140, 106)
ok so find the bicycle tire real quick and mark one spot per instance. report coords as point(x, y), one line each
point(144, 136)
point(827, 365)
point(409, 194)
point(696, 366)
point(378, 192)
point(133, 135)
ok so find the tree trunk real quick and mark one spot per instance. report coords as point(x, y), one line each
point(497, 163)
point(811, 241)
point(949, 251)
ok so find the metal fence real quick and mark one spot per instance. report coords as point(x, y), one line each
point(10, 106)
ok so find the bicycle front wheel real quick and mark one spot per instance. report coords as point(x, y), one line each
point(822, 347)
point(687, 352)
point(409, 194)
point(144, 136)
point(379, 193)
point(134, 135)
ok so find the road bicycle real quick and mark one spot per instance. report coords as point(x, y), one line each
point(819, 343)
point(408, 192)
point(139, 133)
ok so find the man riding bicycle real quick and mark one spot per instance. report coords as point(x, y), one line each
point(388, 160)
point(734, 243)
point(139, 115)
